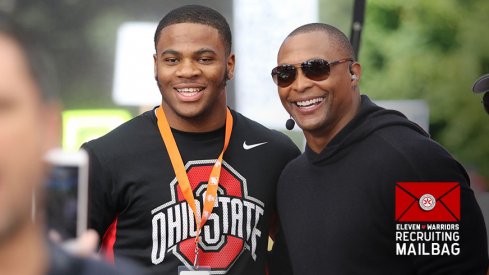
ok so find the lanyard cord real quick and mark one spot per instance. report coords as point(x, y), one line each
point(181, 173)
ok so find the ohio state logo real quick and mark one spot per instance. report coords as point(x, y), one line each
point(232, 228)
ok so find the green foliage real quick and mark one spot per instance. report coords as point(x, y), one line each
point(338, 12)
point(388, 15)
point(81, 35)
point(432, 50)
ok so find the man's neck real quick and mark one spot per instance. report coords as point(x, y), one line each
point(211, 120)
point(25, 252)
point(318, 140)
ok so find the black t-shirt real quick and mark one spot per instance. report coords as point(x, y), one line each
point(133, 190)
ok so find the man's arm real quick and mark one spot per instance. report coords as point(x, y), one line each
point(101, 206)
point(435, 164)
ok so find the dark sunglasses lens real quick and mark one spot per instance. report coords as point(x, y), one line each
point(284, 75)
point(316, 69)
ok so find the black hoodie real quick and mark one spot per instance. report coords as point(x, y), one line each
point(337, 207)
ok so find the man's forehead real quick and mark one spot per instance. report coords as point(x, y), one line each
point(191, 36)
point(14, 69)
point(11, 55)
point(8, 44)
point(305, 45)
point(188, 31)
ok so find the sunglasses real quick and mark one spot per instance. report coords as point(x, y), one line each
point(314, 69)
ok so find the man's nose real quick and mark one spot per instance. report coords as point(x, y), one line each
point(301, 82)
point(188, 69)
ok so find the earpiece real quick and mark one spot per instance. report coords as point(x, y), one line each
point(353, 75)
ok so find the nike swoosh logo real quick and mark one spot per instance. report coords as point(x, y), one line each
point(251, 146)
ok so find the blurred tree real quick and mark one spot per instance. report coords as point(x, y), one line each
point(432, 50)
point(337, 13)
point(82, 34)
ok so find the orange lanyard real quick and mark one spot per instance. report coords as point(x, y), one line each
point(181, 173)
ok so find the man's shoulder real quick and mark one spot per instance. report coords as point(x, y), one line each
point(404, 149)
point(245, 123)
point(252, 129)
point(408, 142)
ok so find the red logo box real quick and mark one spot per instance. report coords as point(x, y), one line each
point(427, 202)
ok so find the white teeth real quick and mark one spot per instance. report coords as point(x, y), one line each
point(309, 102)
point(189, 90)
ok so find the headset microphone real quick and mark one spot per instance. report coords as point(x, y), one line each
point(290, 123)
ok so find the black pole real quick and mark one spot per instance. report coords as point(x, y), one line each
point(357, 25)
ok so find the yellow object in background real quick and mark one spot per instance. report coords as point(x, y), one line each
point(80, 126)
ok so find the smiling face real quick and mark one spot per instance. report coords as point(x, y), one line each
point(319, 107)
point(191, 67)
point(26, 132)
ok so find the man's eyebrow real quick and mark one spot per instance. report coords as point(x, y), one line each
point(204, 51)
point(171, 52)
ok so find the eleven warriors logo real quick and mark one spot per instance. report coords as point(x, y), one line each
point(233, 227)
point(427, 202)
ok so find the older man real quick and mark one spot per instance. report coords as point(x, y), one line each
point(372, 194)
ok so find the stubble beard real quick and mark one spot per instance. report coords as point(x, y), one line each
point(222, 85)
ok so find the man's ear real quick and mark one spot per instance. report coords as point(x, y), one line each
point(155, 68)
point(356, 72)
point(230, 66)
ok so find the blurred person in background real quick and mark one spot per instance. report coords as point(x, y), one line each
point(29, 127)
point(481, 85)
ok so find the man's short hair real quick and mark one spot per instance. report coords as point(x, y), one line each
point(337, 37)
point(200, 15)
point(39, 63)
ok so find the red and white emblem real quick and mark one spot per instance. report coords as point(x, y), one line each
point(427, 202)
point(233, 227)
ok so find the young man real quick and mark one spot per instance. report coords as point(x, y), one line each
point(29, 126)
point(352, 203)
point(149, 177)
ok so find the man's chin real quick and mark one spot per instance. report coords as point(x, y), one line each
point(190, 112)
point(309, 125)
